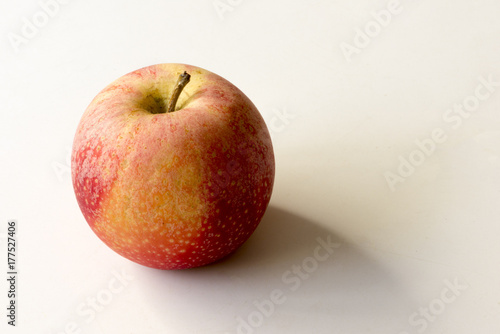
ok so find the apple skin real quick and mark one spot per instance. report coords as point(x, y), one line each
point(172, 190)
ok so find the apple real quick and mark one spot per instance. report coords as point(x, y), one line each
point(172, 166)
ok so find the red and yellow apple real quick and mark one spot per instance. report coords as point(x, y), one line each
point(172, 166)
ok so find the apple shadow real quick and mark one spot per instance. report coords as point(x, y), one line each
point(280, 238)
point(281, 255)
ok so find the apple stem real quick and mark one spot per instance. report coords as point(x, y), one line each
point(179, 86)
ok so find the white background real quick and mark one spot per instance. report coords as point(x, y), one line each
point(345, 111)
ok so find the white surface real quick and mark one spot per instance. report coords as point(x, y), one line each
point(346, 124)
